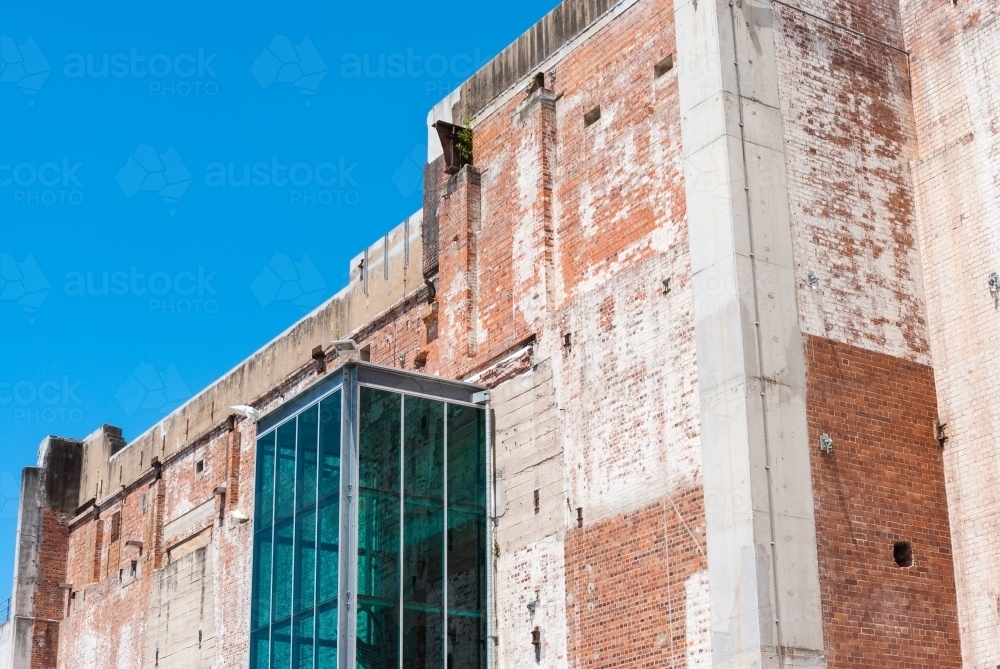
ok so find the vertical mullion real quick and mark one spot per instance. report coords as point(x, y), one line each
point(444, 548)
point(295, 517)
point(402, 517)
point(274, 511)
point(348, 536)
point(316, 538)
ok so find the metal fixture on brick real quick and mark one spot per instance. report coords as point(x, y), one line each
point(941, 432)
point(246, 411)
point(345, 347)
point(826, 443)
point(812, 280)
point(994, 284)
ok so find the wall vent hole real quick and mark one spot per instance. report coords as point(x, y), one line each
point(538, 506)
point(663, 66)
point(199, 467)
point(902, 553)
point(366, 353)
point(591, 117)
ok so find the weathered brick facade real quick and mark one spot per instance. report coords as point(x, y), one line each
point(674, 209)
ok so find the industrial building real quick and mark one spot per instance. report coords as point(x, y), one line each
point(688, 360)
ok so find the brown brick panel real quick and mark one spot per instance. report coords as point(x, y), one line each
point(625, 584)
point(883, 483)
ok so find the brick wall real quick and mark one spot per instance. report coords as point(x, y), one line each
point(883, 484)
point(849, 138)
point(563, 228)
point(630, 583)
point(956, 97)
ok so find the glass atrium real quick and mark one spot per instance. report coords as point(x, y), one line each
point(394, 576)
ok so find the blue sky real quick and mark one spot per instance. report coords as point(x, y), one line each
point(180, 182)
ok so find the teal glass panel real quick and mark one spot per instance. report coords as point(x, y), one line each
point(423, 448)
point(329, 445)
point(378, 503)
point(466, 508)
point(281, 602)
point(259, 653)
point(466, 456)
point(284, 480)
point(302, 641)
point(305, 560)
point(377, 635)
point(423, 501)
point(264, 490)
point(466, 640)
point(281, 645)
point(423, 637)
point(326, 636)
point(260, 602)
point(328, 567)
point(423, 528)
point(466, 559)
point(423, 565)
point(378, 530)
point(306, 445)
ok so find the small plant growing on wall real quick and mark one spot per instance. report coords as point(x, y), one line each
point(456, 144)
point(464, 143)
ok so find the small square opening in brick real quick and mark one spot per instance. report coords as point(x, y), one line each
point(199, 467)
point(902, 553)
point(663, 66)
point(591, 117)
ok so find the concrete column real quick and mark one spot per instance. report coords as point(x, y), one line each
point(762, 560)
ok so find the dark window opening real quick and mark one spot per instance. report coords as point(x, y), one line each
point(537, 502)
point(537, 82)
point(663, 66)
point(199, 467)
point(116, 526)
point(591, 117)
point(902, 553)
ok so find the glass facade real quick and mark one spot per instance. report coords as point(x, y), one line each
point(293, 611)
point(415, 534)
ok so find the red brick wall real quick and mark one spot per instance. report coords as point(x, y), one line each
point(625, 584)
point(883, 483)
